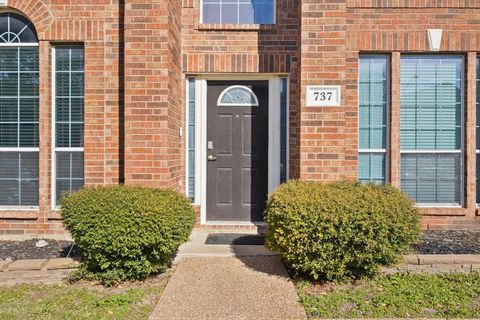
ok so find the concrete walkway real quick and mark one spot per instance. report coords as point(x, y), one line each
point(227, 282)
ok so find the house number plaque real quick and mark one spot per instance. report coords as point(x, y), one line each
point(323, 96)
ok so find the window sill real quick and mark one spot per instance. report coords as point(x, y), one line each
point(25, 214)
point(235, 27)
point(443, 210)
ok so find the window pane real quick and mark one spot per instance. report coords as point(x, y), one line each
point(69, 172)
point(77, 61)
point(9, 59)
point(9, 135)
point(69, 118)
point(29, 59)
point(431, 102)
point(191, 138)
point(283, 130)
point(238, 95)
point(18, 27)
point(373, 102)
point(18, 178)
point(239, 11)
point(211, 13)
point(229, 13)
point(432, 178)
point(8, 84)
point(263, 12)
point(69, 90)
point(371, 167)
point(19, 100)
point(431, 119)
point(372, 117)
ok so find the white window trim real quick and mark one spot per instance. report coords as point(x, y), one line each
point(20, 44)
point(54, 205)
point(372, 150)
point(224, 92)
point(274, 15)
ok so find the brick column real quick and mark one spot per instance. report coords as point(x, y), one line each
point(45, 130)
point(470, 139)
point(394, 147)
point(323, 62)
point(153, 96)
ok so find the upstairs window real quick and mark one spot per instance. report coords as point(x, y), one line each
point(238, 11)
point(19, 102)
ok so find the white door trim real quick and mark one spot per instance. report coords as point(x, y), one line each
point(201, 136)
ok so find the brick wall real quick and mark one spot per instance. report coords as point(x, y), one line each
point(97, 27)
point(233, 49)
point(402, 29)
point(139, 52)
point(153, 97)
point(333, 33)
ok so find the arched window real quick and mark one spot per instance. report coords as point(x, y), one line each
point(19, 101)
point(15, 28)
point(237, 96)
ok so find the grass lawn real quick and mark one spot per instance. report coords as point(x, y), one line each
point(81, 300)
point(399, 295)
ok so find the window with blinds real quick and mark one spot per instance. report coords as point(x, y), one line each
point(68, 123)
point(19, 102)
point(191, 140)
point(283, 130)
point(372, 119)
point(431, 106)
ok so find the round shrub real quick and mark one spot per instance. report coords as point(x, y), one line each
point(126, 232)
point(339, 231)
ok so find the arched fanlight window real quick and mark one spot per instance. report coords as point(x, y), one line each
point(237, 96)
point(15, 28)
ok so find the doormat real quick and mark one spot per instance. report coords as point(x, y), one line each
point(235, 239)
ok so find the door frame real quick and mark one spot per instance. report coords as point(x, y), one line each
point(201, 136)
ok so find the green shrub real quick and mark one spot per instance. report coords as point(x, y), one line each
point(126, 232)
point(339, 231)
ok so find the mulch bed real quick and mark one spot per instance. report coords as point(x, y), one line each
point(433, 242)
point(19, 250)
point(449, 242)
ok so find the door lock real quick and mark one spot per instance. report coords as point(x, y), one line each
point(211, 158)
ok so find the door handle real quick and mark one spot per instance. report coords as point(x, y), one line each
point(211, 158)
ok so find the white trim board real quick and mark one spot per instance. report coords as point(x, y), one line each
point(274, 134)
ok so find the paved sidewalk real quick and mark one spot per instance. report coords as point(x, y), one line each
point(242, 287)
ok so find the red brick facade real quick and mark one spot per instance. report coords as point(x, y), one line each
point(138, 54)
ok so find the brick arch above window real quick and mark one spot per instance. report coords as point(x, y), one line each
point(36, 11)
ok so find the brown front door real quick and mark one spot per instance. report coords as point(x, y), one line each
point(237, 150)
